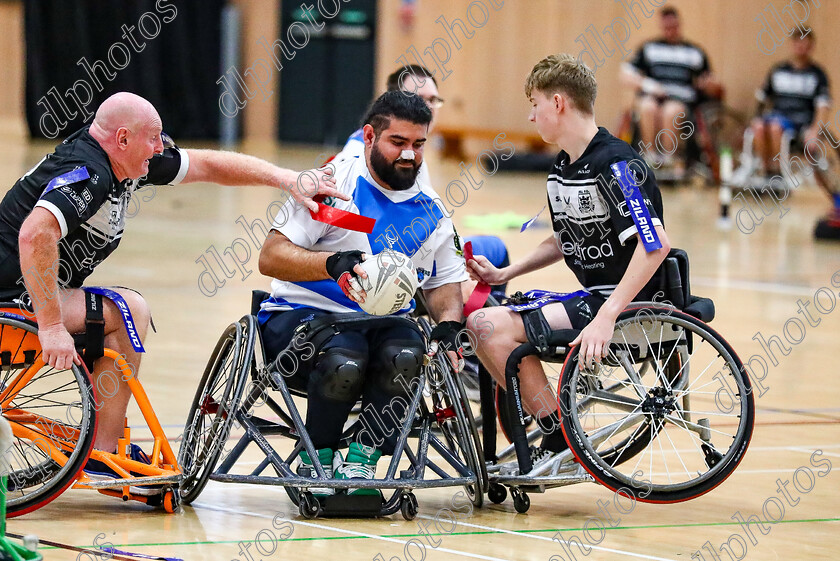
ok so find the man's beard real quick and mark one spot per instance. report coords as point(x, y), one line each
point(397, 178)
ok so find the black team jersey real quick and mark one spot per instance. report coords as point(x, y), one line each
point(674, 65)
point(75, 183)
point(601, 205)
point(795, 93)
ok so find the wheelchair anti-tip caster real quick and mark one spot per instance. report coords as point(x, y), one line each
point(172, 501)
point(497, 493)
point(521, 502)
point(169, 499)
point(409, 506)
point(309, 506)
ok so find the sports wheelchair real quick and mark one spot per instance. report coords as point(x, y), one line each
point(717, 129)
point(53, 415)
point(747, 176)
point(666, 417)
point(235, 392)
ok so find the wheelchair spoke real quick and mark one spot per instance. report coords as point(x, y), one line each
point(621, 402)
point(687, 389)
point(688, 424)
point(645, 391)
point(626, 446)
point(635, 380)
point(679, 457)
point(692, 436)
point(656, 366)
point(715, 413)
point(42, 397)
point(664, 462)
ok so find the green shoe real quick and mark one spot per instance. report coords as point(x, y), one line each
point(359, 464)
point(305, 468)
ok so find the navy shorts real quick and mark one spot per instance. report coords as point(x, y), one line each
point(582, 309)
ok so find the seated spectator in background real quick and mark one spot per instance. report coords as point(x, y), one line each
point(797, 93)
point(670, 76)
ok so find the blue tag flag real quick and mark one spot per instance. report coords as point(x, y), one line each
point(636, 205)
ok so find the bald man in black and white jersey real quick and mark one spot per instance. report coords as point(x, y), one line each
point(67, 214)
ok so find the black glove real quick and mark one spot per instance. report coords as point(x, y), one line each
point(446, 334)
point(340, 267)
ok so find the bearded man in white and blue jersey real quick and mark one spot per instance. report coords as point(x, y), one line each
point(315, 266)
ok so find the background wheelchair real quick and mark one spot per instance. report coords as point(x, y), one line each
point(235, 391)
point(826, 171)
point(667, 416)
point(53, 417)
point(718, 129)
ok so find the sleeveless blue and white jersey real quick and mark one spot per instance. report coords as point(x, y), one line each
point(408, 221)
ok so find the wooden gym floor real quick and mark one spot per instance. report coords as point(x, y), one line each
point(755, 280)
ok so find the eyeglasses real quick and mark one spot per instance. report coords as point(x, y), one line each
point(434, 101)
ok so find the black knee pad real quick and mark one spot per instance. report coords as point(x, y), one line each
point(399, 367)
point(339, 375)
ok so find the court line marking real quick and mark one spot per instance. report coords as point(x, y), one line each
point(351, 532)
point(481, 533)
point(543, 538)
point(800, 449)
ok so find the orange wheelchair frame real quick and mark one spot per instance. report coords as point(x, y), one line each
point(61, 448)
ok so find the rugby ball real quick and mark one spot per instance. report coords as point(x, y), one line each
point(391, 282)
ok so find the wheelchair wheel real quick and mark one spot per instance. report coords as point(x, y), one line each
point(719, 127)
point(52, 413)
point(669, 413)
point(622, 451)
point(827, 172)
point(456, 422)
point(457, 425)
point(215, 405)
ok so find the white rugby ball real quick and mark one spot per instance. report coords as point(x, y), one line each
point(391, 282)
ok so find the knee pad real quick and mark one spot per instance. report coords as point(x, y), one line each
point(339, 375)
point(399, 367)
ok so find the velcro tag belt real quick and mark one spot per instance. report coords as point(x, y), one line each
point(530, 304)
point(534, 299)
point(122, 306)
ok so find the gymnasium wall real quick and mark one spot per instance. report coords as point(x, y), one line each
point(483, 84)
point(485, 88)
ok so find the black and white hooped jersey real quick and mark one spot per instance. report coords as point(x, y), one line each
point(601, 204)
point(76, 184)
point(675, 65)
point(796, 93)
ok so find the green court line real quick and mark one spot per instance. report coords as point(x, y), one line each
point(473, 533)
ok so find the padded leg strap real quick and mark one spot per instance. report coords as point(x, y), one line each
point(488, 412)
point(536, 329)
point(94, 329)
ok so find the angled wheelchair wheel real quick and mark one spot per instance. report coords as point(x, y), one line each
point(621, 452)
point(52, 414)
point(457, 425)
point(827, 171)
point(669, 413)
point(215, 405)
point(455, 420)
